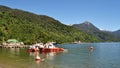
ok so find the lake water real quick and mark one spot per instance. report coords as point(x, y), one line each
point(104, 55)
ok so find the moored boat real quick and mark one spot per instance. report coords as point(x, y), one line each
point(48, 47)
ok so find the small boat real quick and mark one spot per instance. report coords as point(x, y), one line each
point(77, 42)
point(50, 47)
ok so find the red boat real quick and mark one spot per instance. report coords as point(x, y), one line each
point(48, 47)
point(46, 50)
point(56, 49)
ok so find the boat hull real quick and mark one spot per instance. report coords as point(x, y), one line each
point(46, 50)
point(51, 49)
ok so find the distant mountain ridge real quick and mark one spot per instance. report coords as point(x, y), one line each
point(116, 33)
point(96, 32)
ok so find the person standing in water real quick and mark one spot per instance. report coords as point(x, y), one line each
point(91, 48)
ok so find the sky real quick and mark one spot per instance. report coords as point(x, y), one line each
point(104, 14)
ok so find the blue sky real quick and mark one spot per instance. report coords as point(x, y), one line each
point(105, 14)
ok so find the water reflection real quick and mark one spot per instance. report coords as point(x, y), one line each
point(14, 51)
point(44, 56)
point(50, 56)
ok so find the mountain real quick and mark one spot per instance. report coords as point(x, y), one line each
point(116, 33)
point(87, 27)
point(31, 28)
point(96, 32)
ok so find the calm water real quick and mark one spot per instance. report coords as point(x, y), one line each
point(104, 55)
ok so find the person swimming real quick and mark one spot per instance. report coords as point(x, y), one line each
point(91, 47)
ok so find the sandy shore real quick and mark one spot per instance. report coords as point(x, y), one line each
point(1, 66)
point(5, 66)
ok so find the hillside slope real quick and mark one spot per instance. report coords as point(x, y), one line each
point(30, 28)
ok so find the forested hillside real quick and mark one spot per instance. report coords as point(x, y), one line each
point(30, 28)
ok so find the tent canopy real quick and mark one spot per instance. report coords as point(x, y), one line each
point(12, 41)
